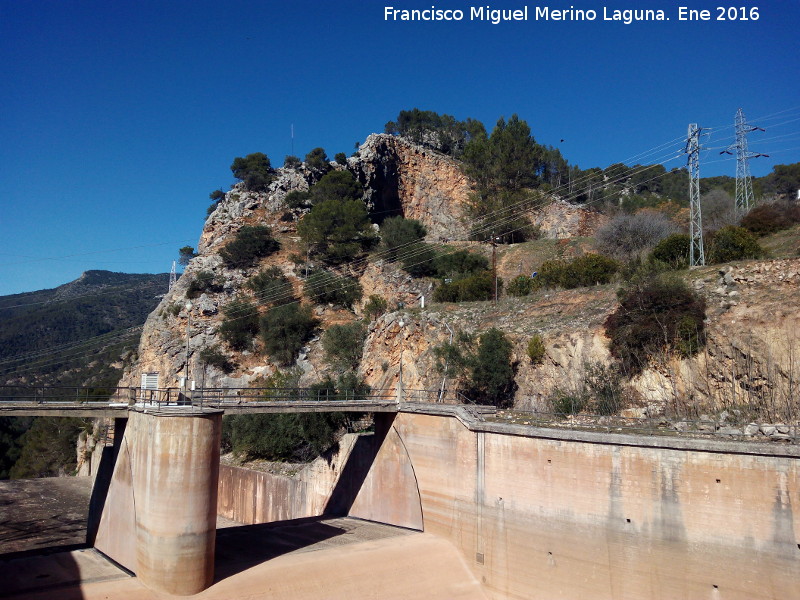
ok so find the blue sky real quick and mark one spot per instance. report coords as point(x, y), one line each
point(118, 118)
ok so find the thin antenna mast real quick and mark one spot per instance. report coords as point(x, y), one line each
point(292, 139)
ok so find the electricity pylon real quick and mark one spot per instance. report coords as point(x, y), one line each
point(744, 184)
point(697, 256)
point(172, 277)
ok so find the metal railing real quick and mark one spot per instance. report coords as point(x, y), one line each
point(213, 397)
point(70, 395)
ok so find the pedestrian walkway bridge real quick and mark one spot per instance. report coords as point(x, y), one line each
point(115, 402)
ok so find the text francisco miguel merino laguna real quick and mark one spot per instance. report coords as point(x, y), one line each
point(539, 13)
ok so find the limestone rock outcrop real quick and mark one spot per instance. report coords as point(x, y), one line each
point(419, 183)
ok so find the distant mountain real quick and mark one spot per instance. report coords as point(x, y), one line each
point(77, 333)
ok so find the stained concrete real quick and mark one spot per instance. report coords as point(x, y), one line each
point(334, 559)
point(159, 519)
point(548, 518)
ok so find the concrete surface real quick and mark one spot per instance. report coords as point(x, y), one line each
point(550, 518)
point(330, 559)
point(55, 575)
point(39, 513)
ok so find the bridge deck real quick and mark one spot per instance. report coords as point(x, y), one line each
point(89, 410)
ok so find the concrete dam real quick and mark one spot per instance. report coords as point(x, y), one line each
point(505, 511)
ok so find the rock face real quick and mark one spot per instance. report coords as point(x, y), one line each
point(416, 182)
point(400, 178)
point(560, 219)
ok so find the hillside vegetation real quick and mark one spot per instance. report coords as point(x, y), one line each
point(596, 309)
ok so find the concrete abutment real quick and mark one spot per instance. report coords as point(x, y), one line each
point(159, 518)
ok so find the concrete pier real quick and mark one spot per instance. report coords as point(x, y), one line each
point(159, 520)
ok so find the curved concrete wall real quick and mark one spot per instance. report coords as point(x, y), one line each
point(160, 515)
point(547, 518)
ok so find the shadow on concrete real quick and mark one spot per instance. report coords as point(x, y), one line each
point(240, 548)
point(357, 467)
point(41, 573)
point(102, 482)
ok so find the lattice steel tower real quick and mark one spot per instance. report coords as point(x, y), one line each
point(696, 254)
point(744, 184)
point(172, 277)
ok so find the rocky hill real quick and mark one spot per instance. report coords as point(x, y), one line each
point(752, 325)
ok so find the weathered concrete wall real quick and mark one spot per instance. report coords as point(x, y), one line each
point(549, 518)
point(159, 519)
point(340, 484)
point(252, 497)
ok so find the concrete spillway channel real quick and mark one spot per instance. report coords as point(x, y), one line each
point(474, 508)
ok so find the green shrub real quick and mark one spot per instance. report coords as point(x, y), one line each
point(567, 402)
point(733, 243)
point(375, 307)
point(203, 281)
point(291, 162)
point(338, 230)
point(654, 318)
point(418, 259)
point(336, 185)
point(769, 218)
point(251, 243)
point(536, 350)
point(240, 324)
point(271, 286)
point(584, 271)
point(469, 289)
point(521, 285)
point(48, 447)
point(299, 436)
point(340, 158)
point(673, 251)
point(185, 255)
point(254, 170)
point(216, 196)
point(344, 345)
point(285, 329)
point(397, 234)
point(317, 160)
point(459, 263)
point(298, 199)
point(485, 368)
point(324, 287)
point(214, 357)
point(492, 376)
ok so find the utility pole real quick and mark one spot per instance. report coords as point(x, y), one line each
point(697, 256)
point(744, 183)
point(444, 379)
point(188, 332)
point(494, 266)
